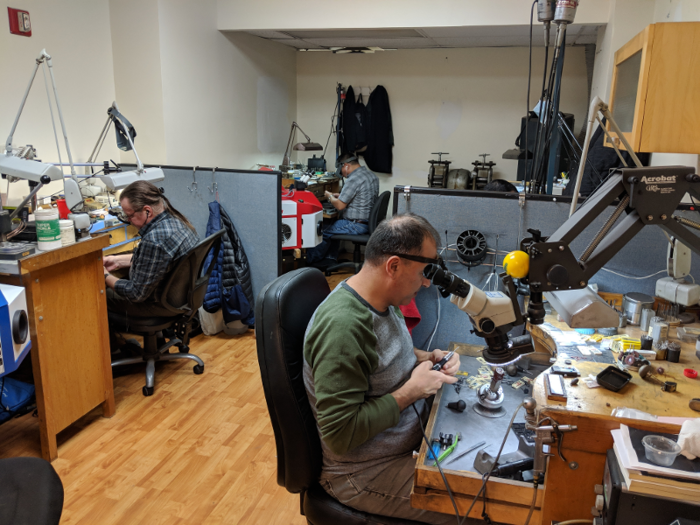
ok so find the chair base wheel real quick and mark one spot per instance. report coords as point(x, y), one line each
point(147, 391)
point(184, 349)
point(198, 369)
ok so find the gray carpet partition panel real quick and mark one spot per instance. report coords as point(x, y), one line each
point(252, 200)
point(499, 218)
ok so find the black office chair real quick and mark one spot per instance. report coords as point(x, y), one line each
point(31, 493)
point(182, 294)
point(377, 215)
point(282, 311)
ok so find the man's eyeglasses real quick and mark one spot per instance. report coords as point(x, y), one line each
point(123, 217)
point(418, 258)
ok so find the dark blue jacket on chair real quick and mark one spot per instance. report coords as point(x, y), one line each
point(230, 286)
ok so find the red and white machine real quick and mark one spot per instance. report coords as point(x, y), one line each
point(302, 220)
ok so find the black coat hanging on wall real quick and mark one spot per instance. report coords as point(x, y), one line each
point(354, 123)
point(379, 132)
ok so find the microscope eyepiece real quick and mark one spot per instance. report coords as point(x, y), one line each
point(447, 282)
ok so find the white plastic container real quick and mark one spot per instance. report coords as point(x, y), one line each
point(660, 450)
point(67, 232)
point(48, 232)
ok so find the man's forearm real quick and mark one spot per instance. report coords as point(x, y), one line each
point(110, 280)
point(337, 203)
point(406, 395)
point(125, 260)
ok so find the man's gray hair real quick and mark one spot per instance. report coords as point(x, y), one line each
point(401, 234)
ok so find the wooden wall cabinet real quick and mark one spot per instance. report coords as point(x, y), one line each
point(655, 96)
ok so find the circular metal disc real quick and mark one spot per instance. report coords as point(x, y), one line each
point(482, 411)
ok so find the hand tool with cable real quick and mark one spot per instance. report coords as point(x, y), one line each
point(443, 361)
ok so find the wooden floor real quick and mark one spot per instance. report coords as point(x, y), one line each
point(199, 451)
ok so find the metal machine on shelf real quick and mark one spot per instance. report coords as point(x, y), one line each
point(439, 169)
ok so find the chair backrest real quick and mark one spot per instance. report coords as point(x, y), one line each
point(378, 212)
point(186, 283)
point(282, 312)
point(31, 492)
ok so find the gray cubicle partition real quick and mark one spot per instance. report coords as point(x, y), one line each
point(252, 200)
point(500, 219)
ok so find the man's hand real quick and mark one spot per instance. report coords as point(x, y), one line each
point(451, 367)
point(115, 262)
point(424, 382)
point(111, 263)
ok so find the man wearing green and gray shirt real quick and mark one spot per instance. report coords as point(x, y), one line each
point(366, 382)
point(355, 202)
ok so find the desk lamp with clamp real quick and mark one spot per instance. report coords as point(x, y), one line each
point(125, 141)
point(19, 164)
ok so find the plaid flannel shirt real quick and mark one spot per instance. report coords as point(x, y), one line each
point(163, 240)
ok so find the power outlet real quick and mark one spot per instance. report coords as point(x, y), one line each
point(20, 24)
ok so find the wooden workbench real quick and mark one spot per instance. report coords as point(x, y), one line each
point(566, 493)
point(67, 305)
point(507, 501)
point(569, 493)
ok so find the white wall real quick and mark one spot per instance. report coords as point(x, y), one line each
point(461, 101)
point(325, 14)
point(138, 82)
point(626, 19)
point(228, 100)
point(76, 33)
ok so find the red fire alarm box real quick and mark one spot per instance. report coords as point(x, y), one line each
point(19, 22)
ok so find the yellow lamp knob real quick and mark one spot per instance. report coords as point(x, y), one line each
point(517, 264)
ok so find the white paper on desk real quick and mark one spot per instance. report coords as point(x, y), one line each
point(622, 439)
point(566, 338)
point(591, 381)
point(673, 420)
point(585, 350)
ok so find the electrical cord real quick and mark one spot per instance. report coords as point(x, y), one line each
point(335, 115)
point(632, 276)
point(437, 323)
point(527, 109)
point(495, 462)
point(531, 172)
point(532, 505)
point(444, 479)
